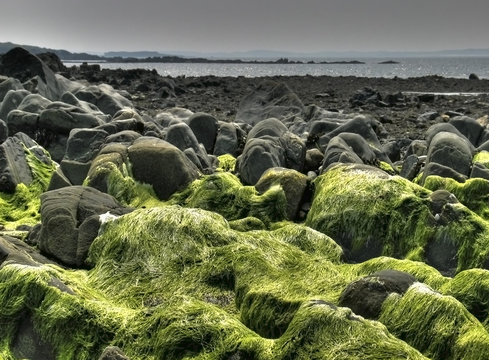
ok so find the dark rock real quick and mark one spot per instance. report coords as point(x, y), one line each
point(366, 96)
point(58, 180)
point(70, 221)
point(182, 136)
point(366, 295)
point(417, 147)
point(204, 127)
point(112, 353)
point(62, 118)
point(338, 151)
point(28, 343)
point(14, 168)
point(3, 131)
point(473, 76)
point(75, 171)
point(84, 144)
point(125, 136)
point(293, 183)
point(162, 165)
point(268, 127)
point(16, 251)
point(426, 98)
point(443, 171)
point(227, 139)
point(313, 160)
point(479, 171)
point(468, 127)
point(360, 125)
point(392, 150)
point(269, 100)
point(52, 61)
point(410, 167)
point(34, 103)
point(427, 117)
point(452, 151)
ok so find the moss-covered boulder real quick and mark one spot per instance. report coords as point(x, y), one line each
point(370, 214)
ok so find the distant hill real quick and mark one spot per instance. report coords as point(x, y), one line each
point(133, 54)
point(62, 54)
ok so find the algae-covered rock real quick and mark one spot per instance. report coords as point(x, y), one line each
point(370, 213)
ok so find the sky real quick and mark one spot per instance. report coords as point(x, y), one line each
point(242, 25)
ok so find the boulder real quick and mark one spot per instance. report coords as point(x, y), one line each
point(452, 151)
point(108, 100)
point(9, 84)
point(182, 136)
point(204, 127)
point(162, 165)
point(14, 168)
point(227, 140)
point(366, 295)
point(34, 103)
point(11, 101)
point(84, 144)
point(269, 99)
point(293, 183)
point(71, 220)
point(125, 137)
point(61, 118)
point(3, 131)
point(469, 128)
point(338, 151)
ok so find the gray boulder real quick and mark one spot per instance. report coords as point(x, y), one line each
point(34, 103)
point(71, 220)
point(204, 127)
point(469, 128)
point(3, 131)
point(227, 139)
point(14, 168)
point(9, 84)
point(269, 100)
point(11, 101)
point(162, 165)
point(108, 100)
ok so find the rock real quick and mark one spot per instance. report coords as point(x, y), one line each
point(104, 97)
point(468, 127)
point(425, 118)
point(366, 295)
point(473, 76)
point(70, 221)
point(75, 171)
point(34, 103)
point(227, 141)
point(366, 96)
point(182, 136)
point(58, 180)
point(313, 160)
point(360, 125)
point(28, 343)
point(269, 100)
point(14, 168)
point(15, 251)
point(410, 167)
point(52, 61)
point(84, 144)
point(338, 151)
point(293, 183)
point(9, 84)
point(113, 353)
point(125, 136)
point(3, 131)
point(426, 98)
point(11, 101)
point(443, 171)
point(162, 165)
point(173, 116)
point(417, 147)
point(268, 127)
point(204, 127)
point(452, 151)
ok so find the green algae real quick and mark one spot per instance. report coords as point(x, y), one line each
point(223, 192)
point(372, 214)
point(437, 325)
point(172, 282)
point(474, 193)
point(227, 163)
point(22, 207)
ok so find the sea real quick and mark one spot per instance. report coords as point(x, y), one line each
point(454, 67)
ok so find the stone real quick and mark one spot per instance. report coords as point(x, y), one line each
point(70, 221)
point(268, 127)
point(11, 101)
point(338, 151)
point(473, 76)
point(313, 160)
point(427, 117)
point(410, 167)
point(28, 343)
point(108, 100)
point(84, 144)
point(61, 118)
point(9, 84)
point(112, 353)
point(360, 125)
point(125, 136)
point(443, 171)
point(14, 168)
point(182, 136)
point(34, 103)
point(15, 251)
point(75, 171)
point(3, 131)
point(269, 99)
point(293, 183)
point(366, 295)
point(452, 151)
point(227, 141)
point(162, 165)
point(468, 127)
point(204, 127)
point(365, 96)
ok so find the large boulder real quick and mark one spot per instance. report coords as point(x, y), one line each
point(108, 100)
point(366, 295)
point(162, 165)
point(269, 99)
point(11, 101)
point(9, 84)
point(204, 127)
point(71, 220)
point(14, 167)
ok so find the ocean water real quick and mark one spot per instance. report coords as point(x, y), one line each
point(455, 67)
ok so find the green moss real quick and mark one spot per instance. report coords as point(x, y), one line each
point(223, 193)
point(371, 214)
point(474, 193)
point(227, 163)
point(437, 325)
point(387, 168)
point(247, 224)
point(482, 157)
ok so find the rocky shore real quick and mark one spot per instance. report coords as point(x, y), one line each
point(146, 217)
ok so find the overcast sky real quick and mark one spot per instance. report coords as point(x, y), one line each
point(235, 25)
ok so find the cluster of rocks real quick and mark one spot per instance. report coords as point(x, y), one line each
point(89, 130)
